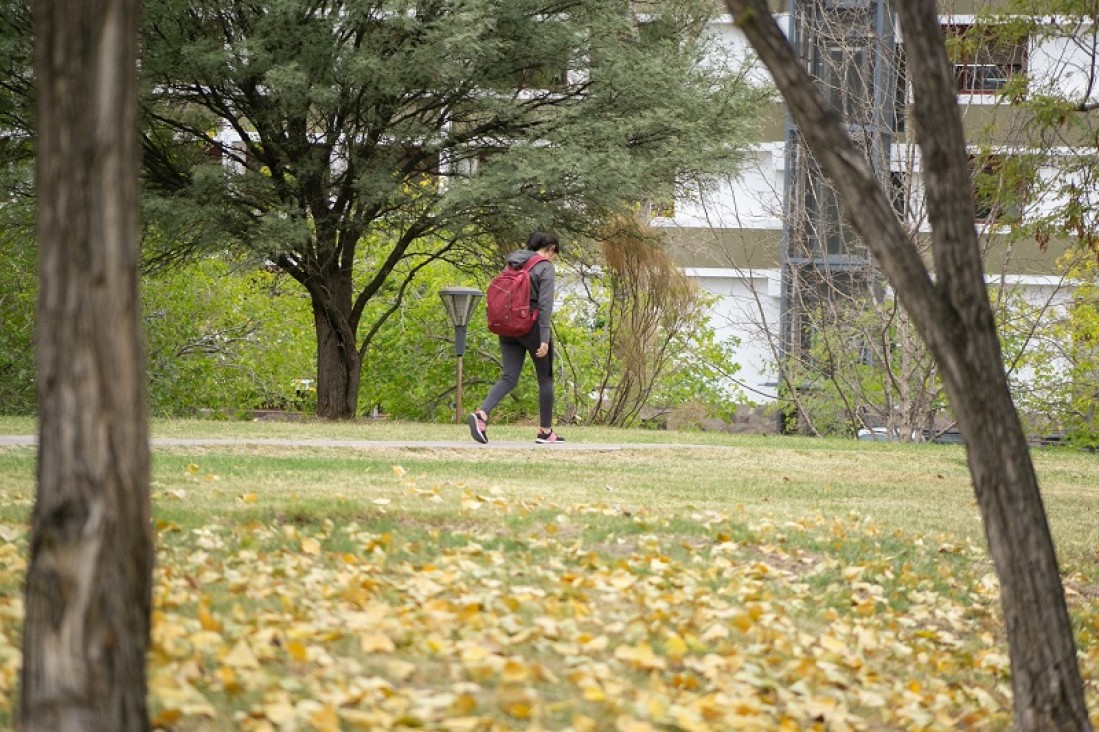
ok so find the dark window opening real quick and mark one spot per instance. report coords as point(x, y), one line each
point(985, 59)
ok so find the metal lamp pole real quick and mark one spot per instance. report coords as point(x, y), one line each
point(460, 303)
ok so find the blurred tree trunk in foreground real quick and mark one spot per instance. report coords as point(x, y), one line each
point(88, 590)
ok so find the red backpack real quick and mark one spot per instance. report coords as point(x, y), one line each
point(507, 302)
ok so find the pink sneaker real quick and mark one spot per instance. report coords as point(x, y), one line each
point(548, 437)
point(478, 426)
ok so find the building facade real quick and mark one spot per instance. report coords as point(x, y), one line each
point(756, 242)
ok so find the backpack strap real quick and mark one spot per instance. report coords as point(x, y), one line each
point(529, 264)
point(527, 267)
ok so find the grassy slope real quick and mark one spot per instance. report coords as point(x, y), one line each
point(850, 573)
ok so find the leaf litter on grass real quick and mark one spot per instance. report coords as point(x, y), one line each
point(485, 612)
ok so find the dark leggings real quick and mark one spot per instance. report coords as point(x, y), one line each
point(512, 352)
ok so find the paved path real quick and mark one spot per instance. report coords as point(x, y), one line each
point(31, 440)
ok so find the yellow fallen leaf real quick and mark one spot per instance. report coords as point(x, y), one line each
point(675, 647)
point(325, 719)
point(398, 471)
point(464, 705)
point(518, 709)
point(832, 644)
point(248, 497)
point(629, 724)
point(166, 718)
point(716, 632)
point(309, 545)
point(359, 720)
point(297, 650)
point(241, 656)
point(206, 619)
point(596, 645)
point(517, 701)
point(377, 643)
point(400, 670)
point(463, 724)
point(229, 680)
point(280, 710)
point(515, 672)
point(821, 708)
point(641, 656)
point(175, 695)
point(582, 723)
point(594, 693)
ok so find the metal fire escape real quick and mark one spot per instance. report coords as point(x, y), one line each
point(850, 49)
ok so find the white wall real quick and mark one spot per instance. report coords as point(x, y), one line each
point(747, 309)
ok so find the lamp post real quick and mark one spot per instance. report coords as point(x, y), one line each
point(459, 303)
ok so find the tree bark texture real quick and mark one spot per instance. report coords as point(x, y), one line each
point(339, 363)
point(88, 586)
point(953, 315)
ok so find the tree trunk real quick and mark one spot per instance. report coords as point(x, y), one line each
point(1048, 692)
point(88, 586)
point(953, 315)
point(339, 365)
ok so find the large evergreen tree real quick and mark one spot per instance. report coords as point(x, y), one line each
point(350, 143)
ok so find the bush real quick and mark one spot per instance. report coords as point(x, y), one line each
point(226, 338)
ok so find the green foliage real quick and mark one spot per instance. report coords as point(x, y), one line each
point(702, 368)
point(360, 139)
point(225, 339)
point(18, 291)
point(1058, 132)
point(410, 371)
point(1052, 349)
point(865, 367)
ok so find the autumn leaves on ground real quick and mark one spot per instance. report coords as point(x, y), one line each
point(753, 585)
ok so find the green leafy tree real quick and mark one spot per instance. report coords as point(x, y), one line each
point(410, 372)
point(1052, 349)
point(18, 290)
point(226, 339)
point(18, 247)
point(351, 144)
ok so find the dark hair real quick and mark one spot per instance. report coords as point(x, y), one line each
point(540, 240)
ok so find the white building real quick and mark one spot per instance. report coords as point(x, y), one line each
point(729, 238)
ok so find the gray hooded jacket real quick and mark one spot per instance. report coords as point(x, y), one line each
point(542, 276)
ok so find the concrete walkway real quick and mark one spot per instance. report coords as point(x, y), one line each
point(31, 440)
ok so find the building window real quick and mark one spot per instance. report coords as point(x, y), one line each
point(846, 80)
point(985, 58)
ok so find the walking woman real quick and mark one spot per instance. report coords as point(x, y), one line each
point(538, 343)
